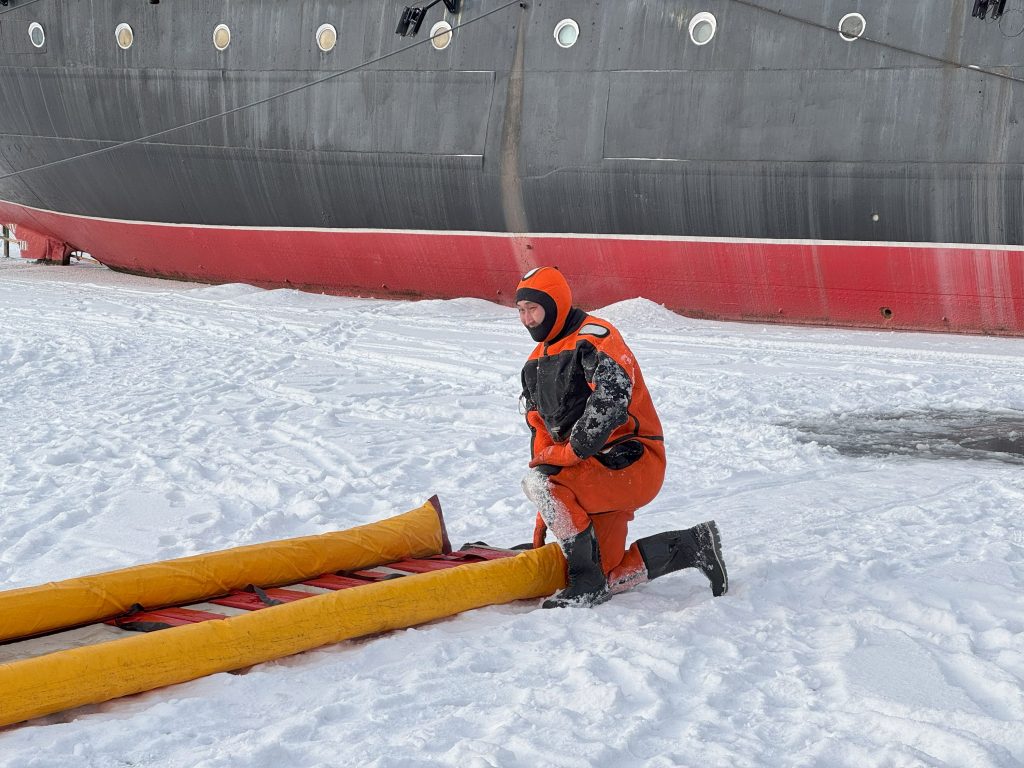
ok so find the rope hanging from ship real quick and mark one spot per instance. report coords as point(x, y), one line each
point(412, 17)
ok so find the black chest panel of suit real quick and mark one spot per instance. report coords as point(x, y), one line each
point(559, 387)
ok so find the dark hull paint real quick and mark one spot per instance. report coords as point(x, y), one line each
point(774, 131)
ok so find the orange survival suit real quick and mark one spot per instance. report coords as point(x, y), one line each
point(597, 445)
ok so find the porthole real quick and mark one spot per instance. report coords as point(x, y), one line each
point(702, 28)
point(851, 26)
point(36, 34)
point(221, 37)
point(567, 32)
point(124, 36)
point(326, 37)
point(441, 35)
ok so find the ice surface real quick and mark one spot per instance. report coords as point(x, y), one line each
point(875, 614)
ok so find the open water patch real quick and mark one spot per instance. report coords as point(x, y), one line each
point(923, 434)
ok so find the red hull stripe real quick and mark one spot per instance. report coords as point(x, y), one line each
point(938, 287)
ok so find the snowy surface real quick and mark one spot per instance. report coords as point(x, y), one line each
point(868, 486)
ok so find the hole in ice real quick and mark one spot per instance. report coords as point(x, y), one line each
point(924, 434)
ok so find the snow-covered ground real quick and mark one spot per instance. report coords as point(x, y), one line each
point(868, 486)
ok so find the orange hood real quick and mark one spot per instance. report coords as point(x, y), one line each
point(546, 286)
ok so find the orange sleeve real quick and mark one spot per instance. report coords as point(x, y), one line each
point(541, 438)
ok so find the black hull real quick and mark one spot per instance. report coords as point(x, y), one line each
point(778, 173)
point(774, 130)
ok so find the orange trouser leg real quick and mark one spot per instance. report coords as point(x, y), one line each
point(589, 493)
point(610, 528)
point(630, 571)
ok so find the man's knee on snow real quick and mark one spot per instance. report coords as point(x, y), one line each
point(553, 511)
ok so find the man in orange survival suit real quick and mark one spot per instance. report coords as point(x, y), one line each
point(597, 452)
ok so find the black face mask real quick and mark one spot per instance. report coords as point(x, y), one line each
point(542, 331)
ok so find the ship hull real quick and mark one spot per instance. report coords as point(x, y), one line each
point(778, 173)
point(912, 286)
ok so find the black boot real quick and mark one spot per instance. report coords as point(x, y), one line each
point(587, 584)
point(697, 547)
